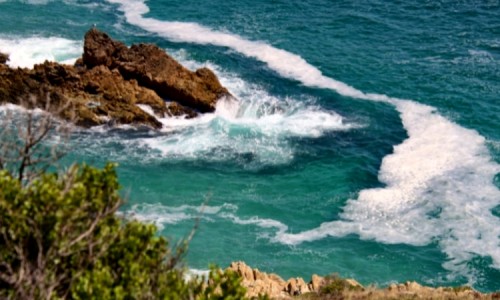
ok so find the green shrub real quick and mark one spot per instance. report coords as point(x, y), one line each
point(61, 239)
point(335, 286)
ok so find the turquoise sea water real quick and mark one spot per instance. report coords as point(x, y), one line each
point(365, 140)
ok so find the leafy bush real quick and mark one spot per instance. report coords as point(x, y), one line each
point(61, 239)
point(335, 286)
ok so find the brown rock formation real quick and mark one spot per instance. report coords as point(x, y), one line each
point(175, 109)
point(297, 286)
point(87, 98)
point(333, 287)
point(155, 69)
point(260, 283)
point(109, 81)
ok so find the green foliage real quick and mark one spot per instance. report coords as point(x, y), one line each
point(220, 282)
point(335, 286)
point(61, 239)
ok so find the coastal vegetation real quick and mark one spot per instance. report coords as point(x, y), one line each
point(61, 238)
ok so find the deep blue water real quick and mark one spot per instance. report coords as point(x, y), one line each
point(365, 140)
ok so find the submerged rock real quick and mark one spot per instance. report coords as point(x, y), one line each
point(108, 83)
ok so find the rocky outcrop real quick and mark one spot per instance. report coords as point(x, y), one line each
point(153, 68)
point(3, 58)
point(333, 287)
point(89, 98)
point(108, 83)
point(260, 283)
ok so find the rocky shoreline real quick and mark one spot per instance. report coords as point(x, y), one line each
point(108, 83)
point(333, 287)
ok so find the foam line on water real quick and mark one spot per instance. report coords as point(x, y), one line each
point(438, 181)
point(285, 63)
point(162, 215)
point(25, 52)
point(447, 198)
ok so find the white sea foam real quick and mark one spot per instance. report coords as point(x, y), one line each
point(196, 273)
point(285, 63)
point(14, 108)
point(147, 109)
point(26, 52)
point(256, 128)
point(446, 197)
point(38, 2)
point(438, 181)
point(162, 215)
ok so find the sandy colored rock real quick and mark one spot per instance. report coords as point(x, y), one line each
point(258, 282)
point(353, 283)
point(297, 286)
point(243, 270)
point(316, 282)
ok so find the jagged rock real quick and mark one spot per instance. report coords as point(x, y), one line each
point(87, 99)
point(297, 286)
point(100, 49)
point(109, 81)
point(259, 283)
point(175, 109)
point(118, 98)
point(3, 58)
point(243, 270)
point(274, 287)
point(316, 283)
point(353, 283)
point(153, 68)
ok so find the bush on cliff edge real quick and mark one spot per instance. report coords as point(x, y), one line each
point(61, 239)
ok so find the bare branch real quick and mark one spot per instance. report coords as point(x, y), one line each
point(33, 141)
